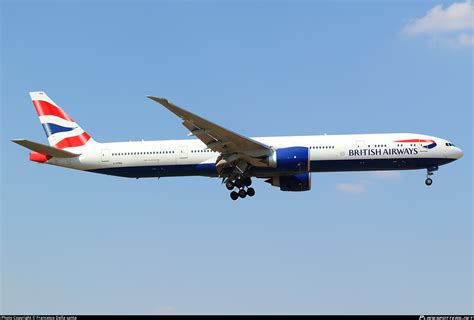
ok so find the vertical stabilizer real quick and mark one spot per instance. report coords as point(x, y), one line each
point(62, 131)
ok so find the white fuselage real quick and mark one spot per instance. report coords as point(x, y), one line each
point(356, 152)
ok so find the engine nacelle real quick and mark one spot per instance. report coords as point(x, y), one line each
point(297, 182)
point(289, 160)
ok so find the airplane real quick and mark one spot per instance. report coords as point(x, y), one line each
point(284, 162)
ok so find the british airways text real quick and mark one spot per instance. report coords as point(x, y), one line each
point(382, 152)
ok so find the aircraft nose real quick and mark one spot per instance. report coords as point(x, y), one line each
point(458, 153)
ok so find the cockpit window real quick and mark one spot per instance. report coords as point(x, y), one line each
point(449, 144)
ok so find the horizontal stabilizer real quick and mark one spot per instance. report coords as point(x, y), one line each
point(41, 148)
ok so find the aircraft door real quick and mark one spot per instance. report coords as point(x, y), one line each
point(183, 152)
point(105, 155)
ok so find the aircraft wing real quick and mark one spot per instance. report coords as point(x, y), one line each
point(217, 138)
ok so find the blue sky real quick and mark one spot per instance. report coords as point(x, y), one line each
point(75, 242)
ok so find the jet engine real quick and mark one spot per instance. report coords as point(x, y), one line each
point(297, 182)
point(290, 160)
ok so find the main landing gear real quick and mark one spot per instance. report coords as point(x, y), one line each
point(243, 184)
point(429, 173)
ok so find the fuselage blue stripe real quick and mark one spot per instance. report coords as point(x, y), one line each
point(209, 169)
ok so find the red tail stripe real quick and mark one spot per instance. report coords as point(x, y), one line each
point(44, 108)
point(75, 141)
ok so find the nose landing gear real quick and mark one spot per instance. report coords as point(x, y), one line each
point(429, 173)
point(428, 181)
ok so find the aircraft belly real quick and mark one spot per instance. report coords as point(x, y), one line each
point(209, 169)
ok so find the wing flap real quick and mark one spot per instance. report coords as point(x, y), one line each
point(41, 148)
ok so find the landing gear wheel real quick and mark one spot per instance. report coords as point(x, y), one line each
point(239, 183)
point(250, 192)
point(234, 195)
point(428, 181)
point(242, 193)
point(229, 185)
point(247, 181)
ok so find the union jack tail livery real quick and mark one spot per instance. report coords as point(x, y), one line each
point(61, 130)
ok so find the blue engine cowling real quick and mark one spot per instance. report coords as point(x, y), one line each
point(297, 182)
point(290, 160)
